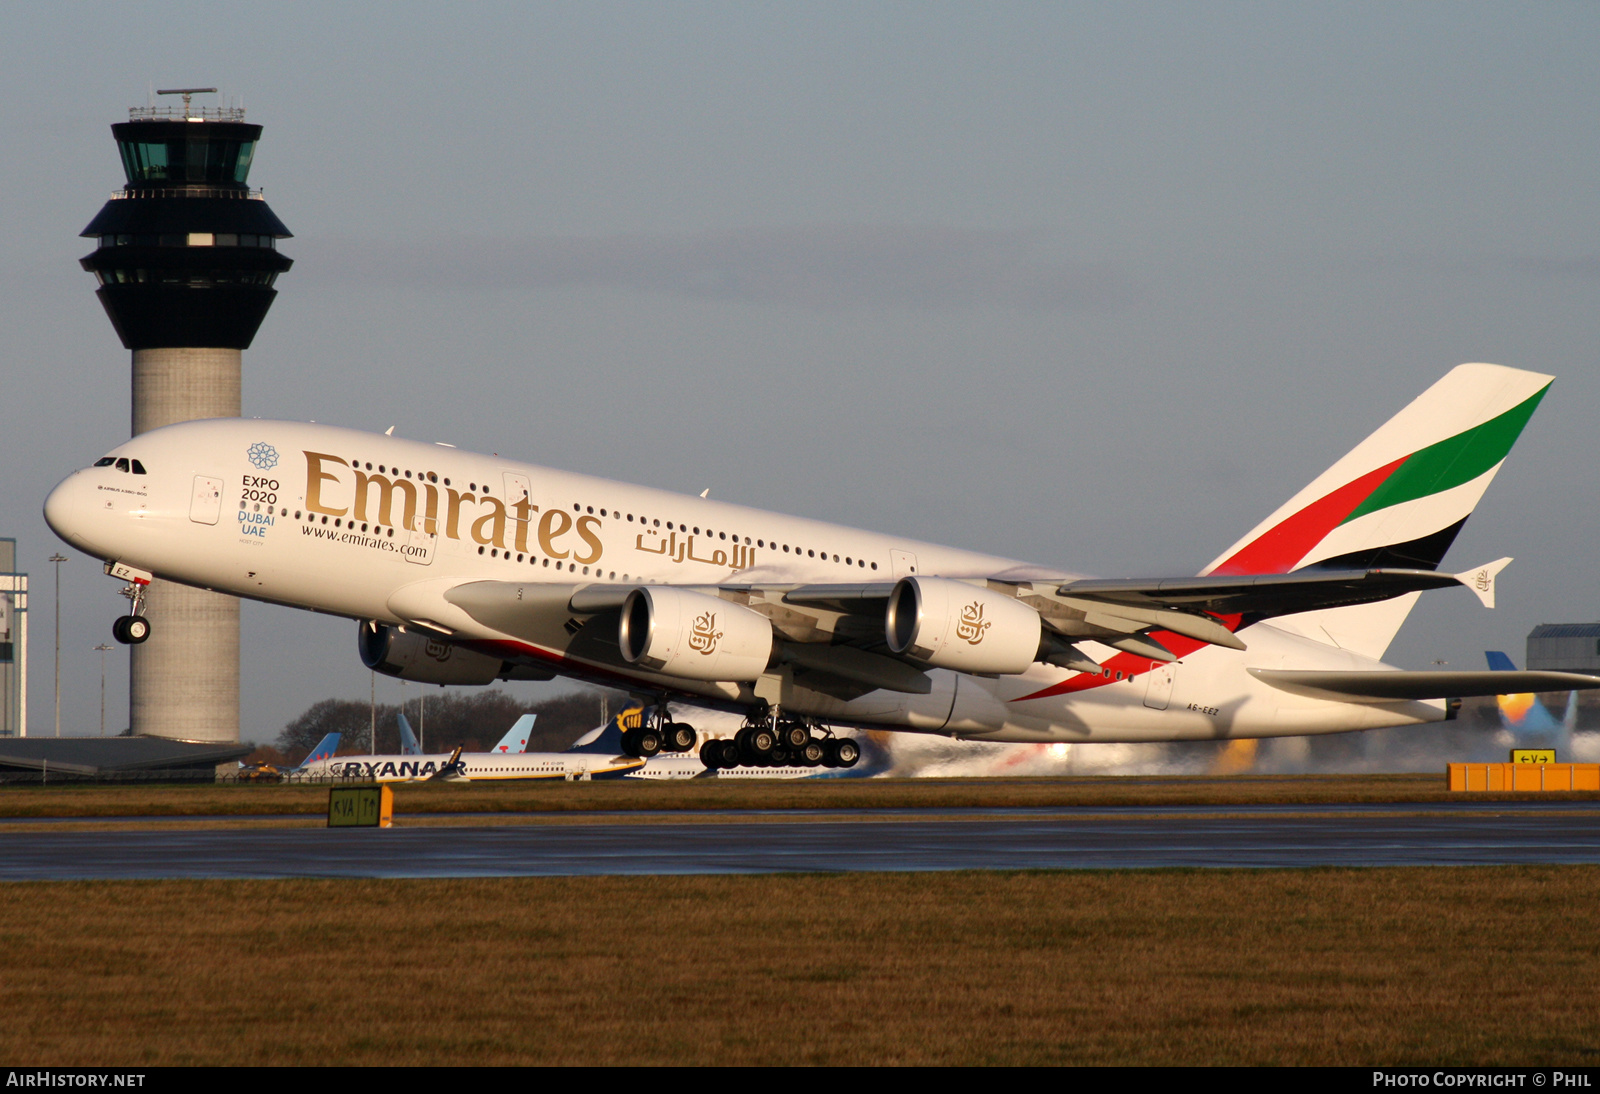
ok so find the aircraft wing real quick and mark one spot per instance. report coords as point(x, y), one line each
point(1261, 596)
point(835, 632)
point(1383, 687)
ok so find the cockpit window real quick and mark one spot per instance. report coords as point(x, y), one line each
point(104, 461)
point(122, 464)
point(138, 468)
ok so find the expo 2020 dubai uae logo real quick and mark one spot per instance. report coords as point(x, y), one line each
point(263, 455)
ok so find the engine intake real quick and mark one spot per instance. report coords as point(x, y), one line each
point(412, 656)
point(684, 633)
point(964, 627)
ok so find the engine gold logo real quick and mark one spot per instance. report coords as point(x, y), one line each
point(703, 635)
point(972, 625)
point(439, 651)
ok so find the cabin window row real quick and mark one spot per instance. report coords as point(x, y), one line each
point(695, 530)
point(579, 507)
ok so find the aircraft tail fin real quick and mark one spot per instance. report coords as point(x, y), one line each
point(1500, 662)
point(324, 750)
point(606, 739)
point(1396, 500)
point(408, 739)
point(516, 738)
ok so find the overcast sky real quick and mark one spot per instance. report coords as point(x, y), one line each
point(1097, 285)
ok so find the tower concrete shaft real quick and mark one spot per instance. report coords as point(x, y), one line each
point(184, 681)
point(186, 256)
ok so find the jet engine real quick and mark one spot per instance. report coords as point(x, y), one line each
point(964, 627)
point(684, 633)
point(427, 660)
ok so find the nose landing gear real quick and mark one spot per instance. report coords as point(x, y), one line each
point(133, 628)
point(130, 630)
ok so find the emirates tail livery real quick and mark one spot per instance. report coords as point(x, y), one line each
point(465, 568)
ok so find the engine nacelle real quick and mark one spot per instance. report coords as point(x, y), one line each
point(964, 627)
point(684, 633)
point(427, 660)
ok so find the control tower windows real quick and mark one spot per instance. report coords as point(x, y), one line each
point(191, 239)
point(186, 159)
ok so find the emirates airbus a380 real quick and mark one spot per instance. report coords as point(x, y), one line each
point(464, 568)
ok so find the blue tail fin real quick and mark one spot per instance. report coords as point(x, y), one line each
point(1499, 662)
point(516, 738)
point(324, 750)
point(408, 739)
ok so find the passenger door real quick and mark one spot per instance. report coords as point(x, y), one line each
point(205, 504)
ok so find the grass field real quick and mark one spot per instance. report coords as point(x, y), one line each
point(87, 800)
point(1394, 966)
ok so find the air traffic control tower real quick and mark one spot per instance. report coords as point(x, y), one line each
point(186, 260)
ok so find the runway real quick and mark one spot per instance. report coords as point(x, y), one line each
point(1447, 834)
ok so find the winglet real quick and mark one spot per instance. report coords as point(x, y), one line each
point(1480, 580)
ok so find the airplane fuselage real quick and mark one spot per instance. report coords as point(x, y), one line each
point(471, 767)
point(378, 528)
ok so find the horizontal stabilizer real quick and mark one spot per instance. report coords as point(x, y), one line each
point(1481, 580)
point(1388, 687)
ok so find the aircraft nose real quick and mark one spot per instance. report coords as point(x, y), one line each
point(62, 506)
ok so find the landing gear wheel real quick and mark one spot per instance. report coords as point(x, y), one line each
point(729, 753)
point(630, 742)
point(678, 736)
point(848, 752)
point(711, 755)
point(795, 735)
point(130, 630)
point(649, 742)
point(811, 755)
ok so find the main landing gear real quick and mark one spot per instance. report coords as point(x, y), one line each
point(132, 628)
point(771, 739)
point(658, 733)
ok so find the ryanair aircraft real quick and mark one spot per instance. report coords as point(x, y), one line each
point(507, 760)
point(464, 568)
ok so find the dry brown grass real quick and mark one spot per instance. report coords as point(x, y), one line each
point(633, 794)
point(1487, 965)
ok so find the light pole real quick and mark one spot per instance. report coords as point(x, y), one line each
point(58, 558)
point(373, 738)
point(102, 647)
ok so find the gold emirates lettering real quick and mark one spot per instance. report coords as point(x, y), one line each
point(326, 485)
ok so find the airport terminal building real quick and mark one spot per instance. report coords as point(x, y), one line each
point(1564, 647)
